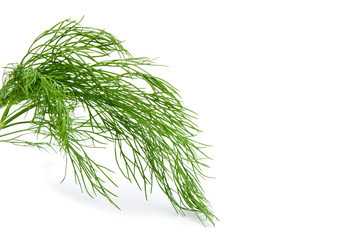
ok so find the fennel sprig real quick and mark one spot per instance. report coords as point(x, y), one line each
point(70, 68)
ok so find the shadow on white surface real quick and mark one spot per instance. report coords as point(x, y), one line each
point(130, 199)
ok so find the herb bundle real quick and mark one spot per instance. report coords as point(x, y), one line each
point(69, 70)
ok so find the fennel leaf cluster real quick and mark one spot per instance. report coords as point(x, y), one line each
point(70, 68)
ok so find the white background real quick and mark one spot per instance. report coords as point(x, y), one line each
point(269, 81)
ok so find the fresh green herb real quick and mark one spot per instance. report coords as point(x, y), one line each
point(69, 70)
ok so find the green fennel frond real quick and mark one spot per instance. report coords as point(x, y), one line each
point(75, 94)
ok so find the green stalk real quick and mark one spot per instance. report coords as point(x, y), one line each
point(15, 115)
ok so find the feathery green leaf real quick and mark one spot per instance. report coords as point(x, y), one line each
point(70, 69)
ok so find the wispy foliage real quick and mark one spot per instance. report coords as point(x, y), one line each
point(71, 67)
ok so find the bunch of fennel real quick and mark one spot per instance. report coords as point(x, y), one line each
point(69, 68)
